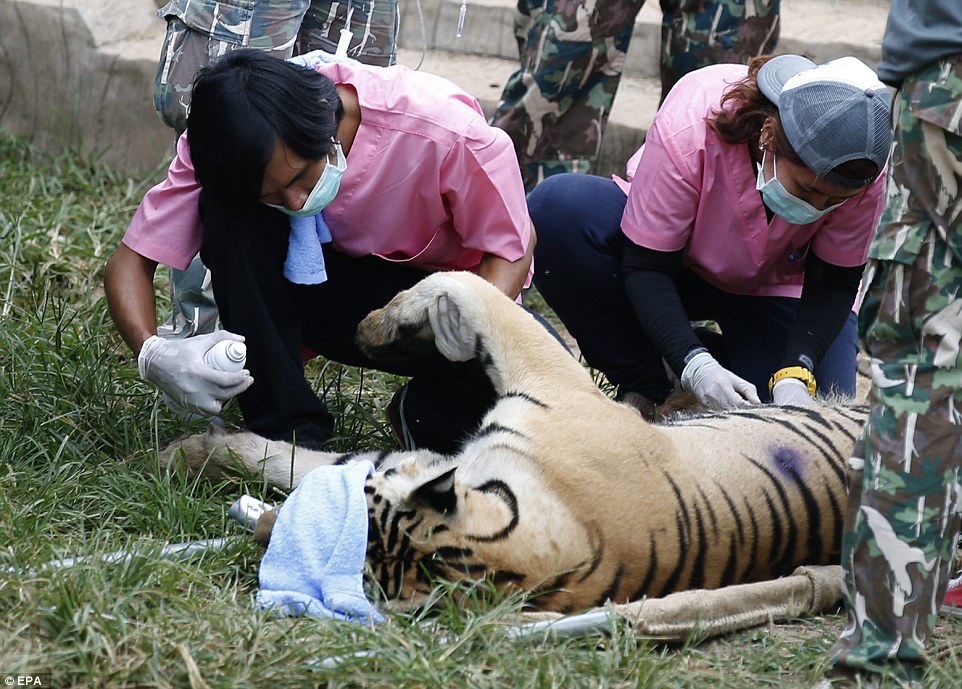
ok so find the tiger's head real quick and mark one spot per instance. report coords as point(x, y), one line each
point(432, 518)
point(425, 525)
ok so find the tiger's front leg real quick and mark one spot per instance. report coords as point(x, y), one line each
point(427, 315)
point(463, 317)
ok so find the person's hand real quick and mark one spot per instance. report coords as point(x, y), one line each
point(792, 392)
point(178, 368)
point(715, 386)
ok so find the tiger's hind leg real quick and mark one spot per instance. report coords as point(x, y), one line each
point(466, 317)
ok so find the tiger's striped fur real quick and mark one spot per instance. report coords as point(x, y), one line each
point(565, 493)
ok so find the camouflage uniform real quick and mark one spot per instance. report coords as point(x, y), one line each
point(200, 30)
point(556, 106)
point(904, 509)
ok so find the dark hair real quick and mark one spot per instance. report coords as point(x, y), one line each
point(241, 104)
point(744, 109)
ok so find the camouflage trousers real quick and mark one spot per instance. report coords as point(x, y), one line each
point(556, 106)
point(905, 494)
point(199, 31)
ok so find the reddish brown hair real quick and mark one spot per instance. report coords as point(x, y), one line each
point(743, 110)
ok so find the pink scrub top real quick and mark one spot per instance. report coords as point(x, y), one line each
point(689, 190)
point(428, 181)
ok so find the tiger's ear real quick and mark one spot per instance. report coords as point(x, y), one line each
point(437, 494)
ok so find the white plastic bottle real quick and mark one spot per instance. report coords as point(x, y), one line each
point(227, 355)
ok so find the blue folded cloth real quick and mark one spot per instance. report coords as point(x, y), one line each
point(315, 560)
point(305, 258)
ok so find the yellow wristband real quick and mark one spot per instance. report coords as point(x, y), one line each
point(799, 372)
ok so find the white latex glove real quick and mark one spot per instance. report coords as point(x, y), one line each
point(792, 392)
point(715, 386)
point(452, 336)
point(177, 367)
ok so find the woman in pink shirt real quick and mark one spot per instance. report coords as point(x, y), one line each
point(315, 192)
point(752, 204)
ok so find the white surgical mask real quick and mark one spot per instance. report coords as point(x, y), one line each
point(324, 190)
point(781, 202)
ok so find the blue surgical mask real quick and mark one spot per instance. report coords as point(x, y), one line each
point(325, 190)
point(782, 203)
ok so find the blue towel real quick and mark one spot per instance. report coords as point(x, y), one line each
point(305, 258)
point(315, 560)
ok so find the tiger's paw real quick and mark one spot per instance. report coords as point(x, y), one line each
point(419, 320)
point(205, 453)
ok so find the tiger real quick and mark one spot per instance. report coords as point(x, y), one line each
point(564, 494)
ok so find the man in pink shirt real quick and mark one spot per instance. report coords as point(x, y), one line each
point(315, 192)
point(752, 204)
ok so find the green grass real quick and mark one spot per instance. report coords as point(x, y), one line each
point(80, 477)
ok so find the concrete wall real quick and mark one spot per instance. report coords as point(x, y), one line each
point(80, 72)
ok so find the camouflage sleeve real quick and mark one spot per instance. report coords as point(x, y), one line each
point(923, 187)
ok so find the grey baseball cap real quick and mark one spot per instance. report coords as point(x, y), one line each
point(831, 113)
